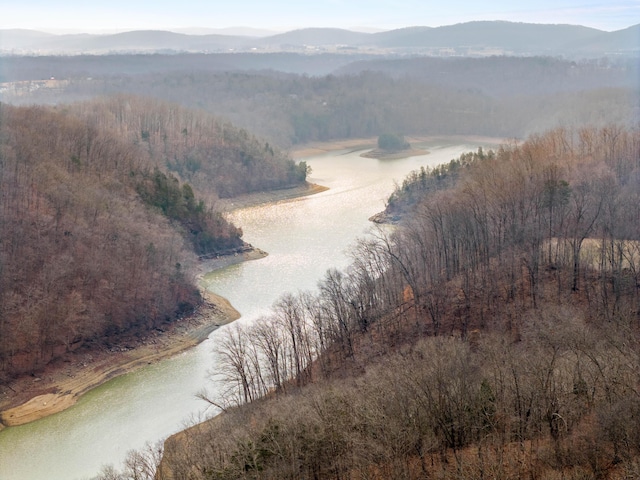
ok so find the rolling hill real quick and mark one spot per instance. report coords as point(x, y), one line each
point(478, 37)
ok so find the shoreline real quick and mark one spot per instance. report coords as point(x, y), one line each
point(63, 382)
point(60, 384)
point(273, 196)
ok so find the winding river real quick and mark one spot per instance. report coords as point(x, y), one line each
point(304, 237)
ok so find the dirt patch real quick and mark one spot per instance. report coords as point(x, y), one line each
point(354, 144)
point(318, 148)
point(260, 198)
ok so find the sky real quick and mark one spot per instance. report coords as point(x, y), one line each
point(62, 16)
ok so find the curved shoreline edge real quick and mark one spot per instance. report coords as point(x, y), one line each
point(61, 385)
point(65, 392)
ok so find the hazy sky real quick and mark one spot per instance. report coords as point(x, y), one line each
point(87, 15)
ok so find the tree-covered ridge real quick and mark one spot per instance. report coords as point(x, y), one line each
point(81, 257)
point(210, 154)
point(206, 229)
point(424, 181)
point(93, 223)
point(493, 333)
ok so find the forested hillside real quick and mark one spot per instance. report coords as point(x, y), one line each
point(104, 206)
point(213, 155)
point(493, 334)
point(420, 183)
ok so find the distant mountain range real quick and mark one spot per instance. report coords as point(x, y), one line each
point(472, 38)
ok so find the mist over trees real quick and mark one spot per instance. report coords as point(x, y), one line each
point(493, 333)
point(504, 97)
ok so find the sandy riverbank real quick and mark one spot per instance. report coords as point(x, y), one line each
point(259, 198)
point(300, 152)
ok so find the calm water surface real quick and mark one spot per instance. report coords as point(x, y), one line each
point(304, 237)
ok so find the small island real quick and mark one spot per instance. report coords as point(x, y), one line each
point(392, 146)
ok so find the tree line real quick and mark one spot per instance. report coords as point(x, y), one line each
point(497, 96)
point(98, 234)
point(213, 155)
point(492, 333)
point(418, 183)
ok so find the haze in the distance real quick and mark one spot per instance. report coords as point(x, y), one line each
point(67, 16)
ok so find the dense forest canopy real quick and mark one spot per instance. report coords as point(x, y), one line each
point(494, 333)
point(418, 183)
point(104, 206)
